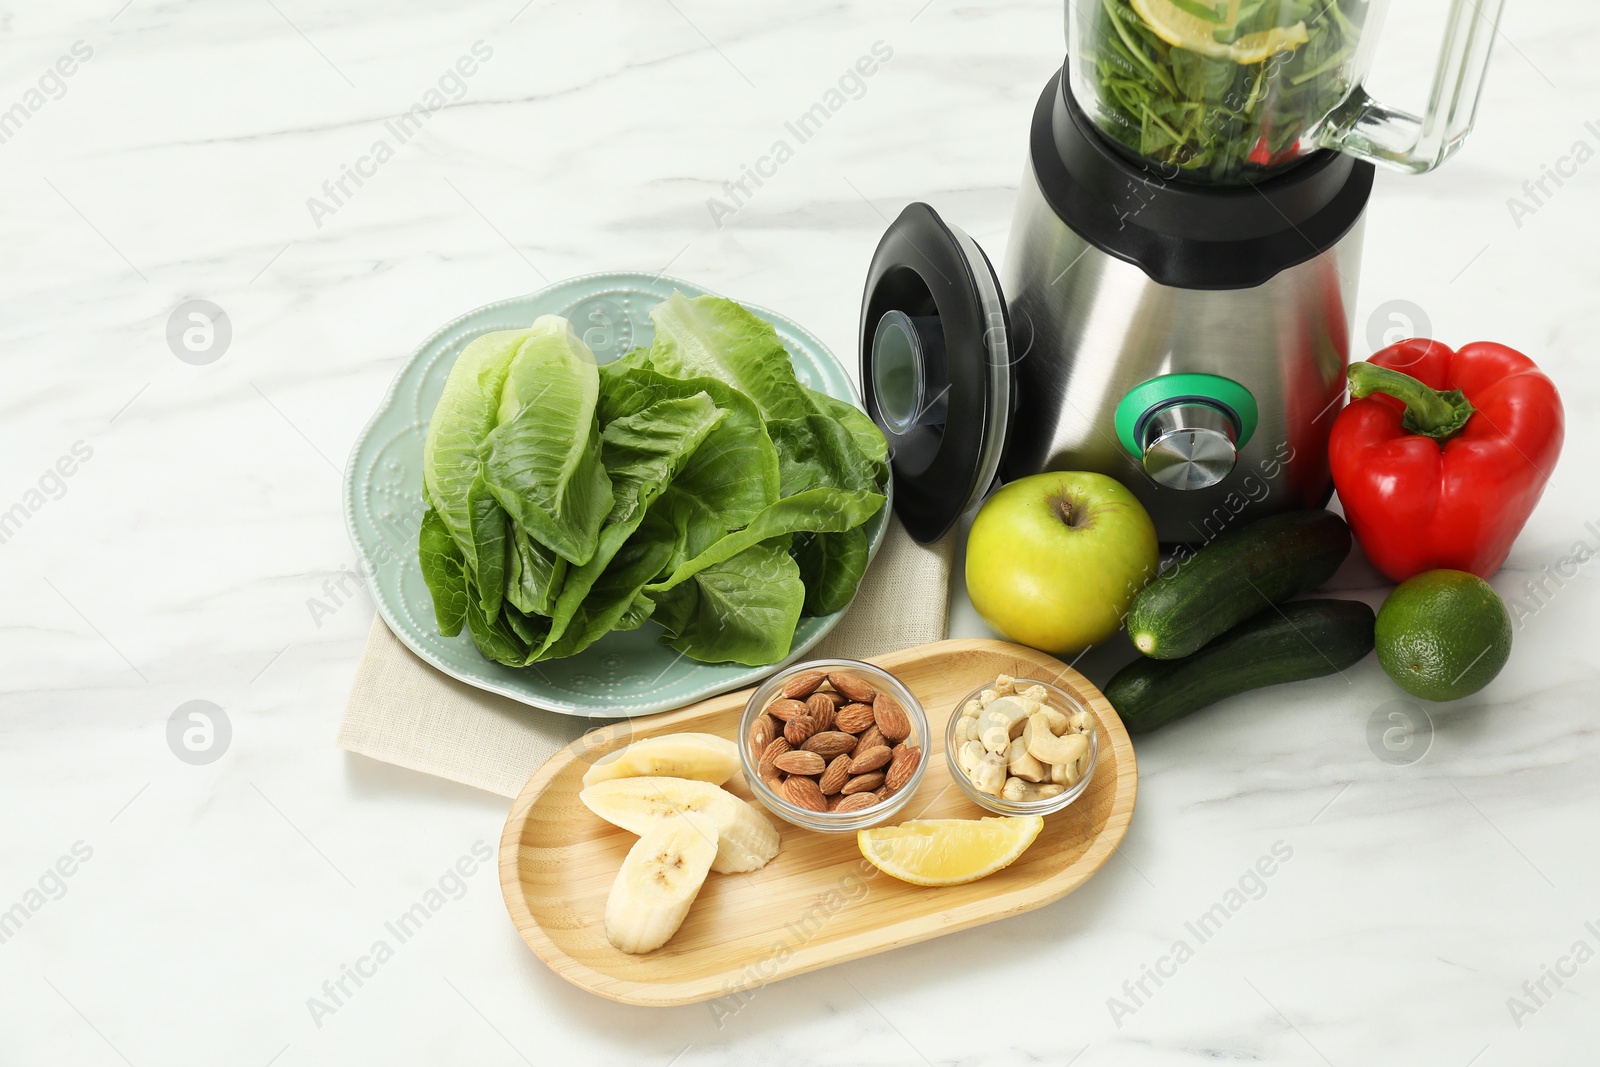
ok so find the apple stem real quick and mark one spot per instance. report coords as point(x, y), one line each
point(1071, 513)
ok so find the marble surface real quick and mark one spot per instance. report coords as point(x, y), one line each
point(179, 539)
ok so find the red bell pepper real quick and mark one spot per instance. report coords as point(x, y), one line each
point(1441, 456)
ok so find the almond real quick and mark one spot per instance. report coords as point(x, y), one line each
point(798, 762)
point(854, 688)
point(835, 776)
point(821, 709)
point(901, 767)
point(863, 783)
point(786, 709)
point(869, 760)
point(797, 729)
point(853, 718)
point(891, 718)
point(769, 758)
point(803, 793)
point(829, 744)
point(857, 802)
point(762, 731)
point(803, 685)
point(872, 738)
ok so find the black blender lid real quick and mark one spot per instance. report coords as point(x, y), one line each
point(936, 367)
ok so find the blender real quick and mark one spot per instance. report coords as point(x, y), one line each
point(1174, 308)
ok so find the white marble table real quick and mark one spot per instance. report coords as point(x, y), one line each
point(168, 913)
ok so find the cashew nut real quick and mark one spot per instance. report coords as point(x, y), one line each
point(1005, 685)
point(1036, 693)
point(1064, 774)
point(1017, 791)
point(972, 709)
point(994, 738)
point(1048, 748)
point(1021, 763)
point(990, 774)
point(1059, 723)
point(967, 757)
point(988, 695)
point(1011, 711)
point(966, 729)
point(1081, 722)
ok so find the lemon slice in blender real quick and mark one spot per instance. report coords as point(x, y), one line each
point(1183, 29)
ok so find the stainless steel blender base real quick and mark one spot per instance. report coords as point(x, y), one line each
point(1087, 327)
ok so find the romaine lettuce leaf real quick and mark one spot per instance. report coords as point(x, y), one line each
point(644, 453)
point(610, 603)
point(819, 451)
point(444, 572)
point(542, 459)
point(831, 566)
point(820, 509)
point(533, 574)
point(716, 338)
point(869, 440)
point(736, 474)
point(696, 483)
point(488, 523)
point(742, 609)
point(461, 420)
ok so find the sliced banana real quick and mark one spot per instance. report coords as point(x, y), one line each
point(746, 841)
point(658, 881)
point(703, 757)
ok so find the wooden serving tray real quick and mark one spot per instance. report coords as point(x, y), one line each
point(804, 910)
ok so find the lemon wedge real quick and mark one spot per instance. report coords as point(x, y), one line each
point(1182, 29)
point(948, 851)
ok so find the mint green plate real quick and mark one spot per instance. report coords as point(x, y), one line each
point(628, 673)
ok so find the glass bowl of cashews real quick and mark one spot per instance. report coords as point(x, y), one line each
point(1019, 746)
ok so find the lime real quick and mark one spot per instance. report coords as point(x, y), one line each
point(1443, 635)
point(1177, 25)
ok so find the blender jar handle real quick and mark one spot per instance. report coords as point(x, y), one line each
point(1367, 128)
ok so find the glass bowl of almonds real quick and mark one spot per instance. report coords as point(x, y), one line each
point(1019, 746)
point(833, 745)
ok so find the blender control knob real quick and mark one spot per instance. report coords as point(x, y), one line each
point(1189, 445)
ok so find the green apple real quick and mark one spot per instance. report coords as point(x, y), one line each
point(1053, 560)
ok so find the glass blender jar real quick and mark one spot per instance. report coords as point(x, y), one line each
point(1230, 91)
point(1174, 305)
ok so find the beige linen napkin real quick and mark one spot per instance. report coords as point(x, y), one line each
point(404, 712)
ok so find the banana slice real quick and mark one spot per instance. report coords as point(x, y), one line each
point(745, 841)
point(704, 757)
point(658, 881)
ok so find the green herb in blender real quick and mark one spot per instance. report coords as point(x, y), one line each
point(1220, 92)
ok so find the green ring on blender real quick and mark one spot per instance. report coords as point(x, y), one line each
point(1171, 388)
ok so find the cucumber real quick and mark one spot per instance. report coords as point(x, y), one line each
point(1303, 639)
point(1233, 578)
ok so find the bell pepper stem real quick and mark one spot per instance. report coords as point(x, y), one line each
point(1440, 414)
